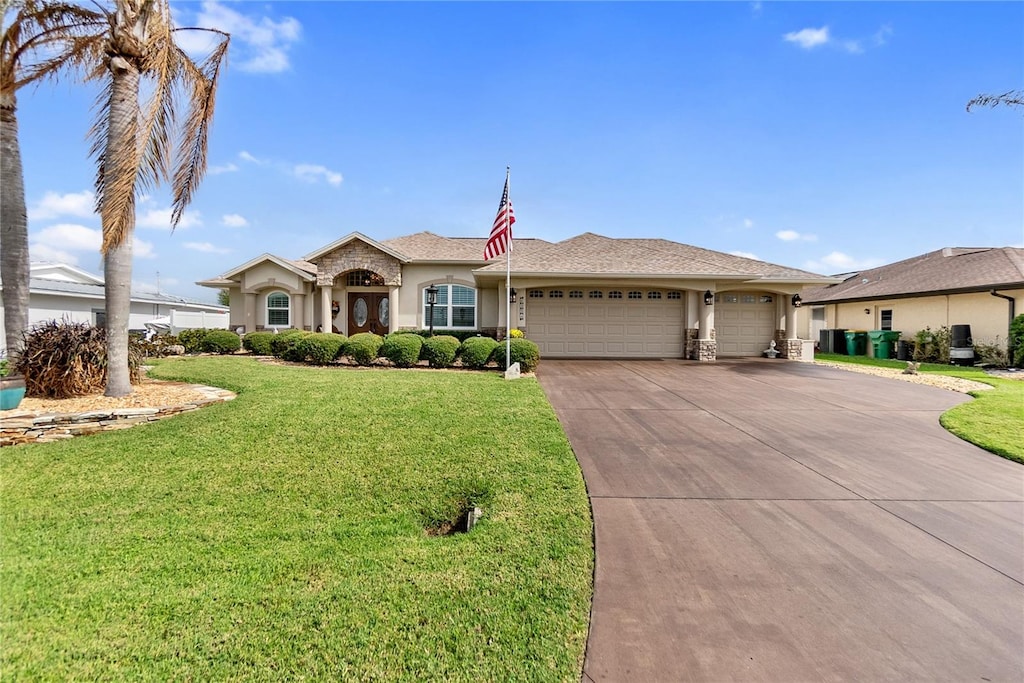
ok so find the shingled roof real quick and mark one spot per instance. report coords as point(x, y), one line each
point(949, 270)
point(426, 246)
point(595, 254)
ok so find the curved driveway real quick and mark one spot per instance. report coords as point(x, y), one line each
point(780, 521)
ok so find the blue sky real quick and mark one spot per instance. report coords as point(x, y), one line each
point(826, 136)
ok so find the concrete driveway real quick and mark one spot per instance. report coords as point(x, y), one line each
point(781, 521)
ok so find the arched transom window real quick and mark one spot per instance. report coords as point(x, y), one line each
point(278, 310)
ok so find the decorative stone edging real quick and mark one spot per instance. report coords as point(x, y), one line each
point(27, 427)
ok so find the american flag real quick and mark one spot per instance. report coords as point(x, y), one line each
point(500, 240)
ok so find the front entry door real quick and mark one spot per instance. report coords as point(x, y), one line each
point(368, 312)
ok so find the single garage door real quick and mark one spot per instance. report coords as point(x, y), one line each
point(596, 322)
point(744, 322)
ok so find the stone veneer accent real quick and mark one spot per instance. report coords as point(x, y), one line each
point(25, 427)
point(707, 350)
point(690, 343)
point(357, 255)
point(793, 349)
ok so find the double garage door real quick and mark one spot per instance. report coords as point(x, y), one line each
point(595, 322)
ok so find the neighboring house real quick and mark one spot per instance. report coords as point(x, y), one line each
point(952, 286)
point(588, 296)
point(58, 291)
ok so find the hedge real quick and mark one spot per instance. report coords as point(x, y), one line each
point(258, 343)
point(363, 347)
point(402, 349)
point(476, 351)
point(319, 348)
point(221, 341)
point(440, 351)
point(192, 339)
point(283, 343)
point(524, 352)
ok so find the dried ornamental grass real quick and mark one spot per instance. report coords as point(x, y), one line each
point(63, 359)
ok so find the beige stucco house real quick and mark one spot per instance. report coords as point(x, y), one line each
point(982, 287)
point(587, 297)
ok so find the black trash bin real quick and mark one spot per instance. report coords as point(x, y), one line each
point(961, 351)
point(903, 351)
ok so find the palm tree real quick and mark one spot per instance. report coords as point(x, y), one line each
point(132, 142)
point(1010, 98)
point(34, 44)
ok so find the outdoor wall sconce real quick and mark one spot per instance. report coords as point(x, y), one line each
point(512, 295)
point(431, 301)
point(709, 298)
point(797, 301)
point(867, 311)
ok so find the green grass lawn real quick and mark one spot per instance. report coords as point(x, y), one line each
point(994, 420)
point(281, 535)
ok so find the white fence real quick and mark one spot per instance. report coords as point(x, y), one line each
point(187, 320)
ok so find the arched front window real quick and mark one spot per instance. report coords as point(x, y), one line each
point(278, 310)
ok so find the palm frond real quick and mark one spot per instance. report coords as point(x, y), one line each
point(1010, 98)
point(194, 141)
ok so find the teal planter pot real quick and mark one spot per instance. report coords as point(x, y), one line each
point(12, 390)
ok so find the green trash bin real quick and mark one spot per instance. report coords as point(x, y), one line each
point(856, 343)
point(883, 342)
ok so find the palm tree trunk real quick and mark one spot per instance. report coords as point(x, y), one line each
point(117, 260)
point(14, 259)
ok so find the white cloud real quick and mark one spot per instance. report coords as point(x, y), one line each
point(46, 252)
point(234, 220)
point(70, 236)
point(747, 223)
point(745, 254)
point(142, 248)
point(793, 235)
point(222, 168)
point(808, 38)
point(262, 43)
point(838, 262)
point(312, 172)
point(245, 156)
point(160, 219)
point(53, 205)
point(206, 248)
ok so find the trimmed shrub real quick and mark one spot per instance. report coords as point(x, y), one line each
point(283, 342)
point(402, 349)
point(258, 343)
point(63, 359)
point(192, 339)
point(440, 351)
point(319, 348)
point(1017, 337)
point(221, 341)
point(363, 347)
point(524, 352)
point(476, 351)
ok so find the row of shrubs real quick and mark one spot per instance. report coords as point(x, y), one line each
point(403, 349)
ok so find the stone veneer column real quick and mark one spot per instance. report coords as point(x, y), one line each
point(707, 348)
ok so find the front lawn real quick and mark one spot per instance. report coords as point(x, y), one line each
point(994, 420)
point(281, 535)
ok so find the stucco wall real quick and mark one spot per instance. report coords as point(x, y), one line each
point(261, 275)
point(987, 315)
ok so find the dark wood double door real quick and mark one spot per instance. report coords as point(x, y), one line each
point(368, 312)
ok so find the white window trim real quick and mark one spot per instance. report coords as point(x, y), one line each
point(267, 309)
point(449, 307)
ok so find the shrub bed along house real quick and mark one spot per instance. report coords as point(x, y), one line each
point(475, 352)
point(283, 343)
point(192, 339)
point(403, 350)
point(363, 347)
point(524, 352)
point(440, 352)
point(319, 348)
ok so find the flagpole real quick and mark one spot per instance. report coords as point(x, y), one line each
point(508, 276)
